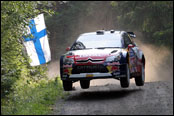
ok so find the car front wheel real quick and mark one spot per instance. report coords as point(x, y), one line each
point(85, 84)
point(67, 85)
point(139, 80)
point(124, 81)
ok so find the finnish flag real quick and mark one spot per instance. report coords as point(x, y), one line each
point(37, 45)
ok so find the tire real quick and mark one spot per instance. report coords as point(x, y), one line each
point(67, 85)
point(85, 84)
point(139, 80)
point(125, 81)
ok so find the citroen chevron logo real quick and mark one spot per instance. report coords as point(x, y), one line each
point(89, 60)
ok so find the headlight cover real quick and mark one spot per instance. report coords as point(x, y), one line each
point(113, 58)
point(68, 61)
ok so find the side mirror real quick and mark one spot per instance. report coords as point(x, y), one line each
point(130, 46)
point(68, 48)
point(131, 34)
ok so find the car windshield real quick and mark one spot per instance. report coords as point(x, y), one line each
point(97, 41)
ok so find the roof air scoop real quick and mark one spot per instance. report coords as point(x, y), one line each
point(112, 31)
point(131, 34)
point(100, 32)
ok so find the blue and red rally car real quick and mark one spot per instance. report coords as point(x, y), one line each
point(103, 54)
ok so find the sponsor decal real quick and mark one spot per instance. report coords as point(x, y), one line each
point(109, 69)
point(116, 73)
point(113, 68)
point(65, 76)
point(89, 55)
point(139, 68)
point(131, 53)
point(139, 62)
point(132, 61)
point(67, 71)
point(89, 75)
point(92, 67)
point(132, 70)
point(69, 56)
point(114, 63)
point(67, 66)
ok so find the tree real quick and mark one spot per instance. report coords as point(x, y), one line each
point(15, 15)
point(153, 18)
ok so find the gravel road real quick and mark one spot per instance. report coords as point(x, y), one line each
point(155, 98)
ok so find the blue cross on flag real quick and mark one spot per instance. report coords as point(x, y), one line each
point(37, 45)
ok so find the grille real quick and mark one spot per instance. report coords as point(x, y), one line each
point(89, 60)
point(89, 69)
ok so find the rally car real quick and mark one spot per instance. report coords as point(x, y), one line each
point(103, 54)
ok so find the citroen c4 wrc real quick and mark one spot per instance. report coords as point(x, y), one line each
point(103, 54)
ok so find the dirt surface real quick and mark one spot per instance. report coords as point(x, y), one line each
point(110, 99)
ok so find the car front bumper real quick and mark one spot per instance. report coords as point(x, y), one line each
point(112, 71)
point(90, 76)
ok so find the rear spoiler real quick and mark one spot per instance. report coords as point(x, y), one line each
point(131, 34)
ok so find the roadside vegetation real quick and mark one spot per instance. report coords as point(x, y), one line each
point(25, 90)
point(32, 98)
point(153, 18)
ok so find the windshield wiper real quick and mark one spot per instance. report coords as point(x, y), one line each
point(106, 47)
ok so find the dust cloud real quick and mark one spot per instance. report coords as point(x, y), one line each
point(159, 62)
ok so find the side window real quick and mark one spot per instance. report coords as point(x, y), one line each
point(122, 43)
point(78, 46)
point(127, 40)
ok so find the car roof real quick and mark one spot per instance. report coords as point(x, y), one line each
point(100, 34)
point(104, 33)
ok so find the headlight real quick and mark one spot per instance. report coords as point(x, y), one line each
point(114, 58)
point(68, 61)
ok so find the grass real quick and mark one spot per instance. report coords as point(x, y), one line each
point(33, 99)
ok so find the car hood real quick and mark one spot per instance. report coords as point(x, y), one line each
point(94, 53)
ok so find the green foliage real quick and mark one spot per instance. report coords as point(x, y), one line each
point(153, 18)
point(35, 98)
point(15, 16)
point(114, 4)
point(24, 89)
